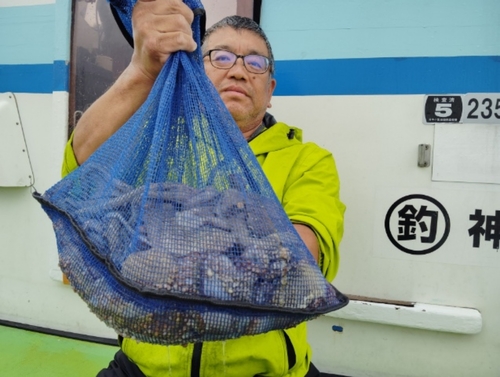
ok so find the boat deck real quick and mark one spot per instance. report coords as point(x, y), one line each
point(30, 353)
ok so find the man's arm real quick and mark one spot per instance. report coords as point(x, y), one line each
point(160, 28)
point(310, 239)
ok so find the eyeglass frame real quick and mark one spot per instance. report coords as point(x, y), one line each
point(268, 61)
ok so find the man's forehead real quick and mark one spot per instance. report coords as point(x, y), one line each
point(232, 39)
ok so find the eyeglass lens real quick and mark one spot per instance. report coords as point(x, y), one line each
point(226, 59)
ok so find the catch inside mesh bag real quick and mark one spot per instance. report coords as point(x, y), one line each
point(170, 231)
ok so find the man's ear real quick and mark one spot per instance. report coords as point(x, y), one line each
point(272, 86)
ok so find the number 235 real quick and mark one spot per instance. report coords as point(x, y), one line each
point(484, 109)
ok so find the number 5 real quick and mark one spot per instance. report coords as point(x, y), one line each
point(443, 110)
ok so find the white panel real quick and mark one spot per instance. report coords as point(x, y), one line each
point(467, 153)
point(28, 251)
point(374, 140)
point(15, 169)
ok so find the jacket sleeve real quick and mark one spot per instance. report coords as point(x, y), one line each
point(305, 180)
point(69, 159)
point(311, 197)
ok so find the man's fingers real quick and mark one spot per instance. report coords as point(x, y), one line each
point(175, 41)
point(169, 17)
point(161, 27)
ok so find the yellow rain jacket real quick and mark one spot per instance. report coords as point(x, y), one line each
point(305, 179)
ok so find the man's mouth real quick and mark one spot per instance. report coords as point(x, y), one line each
point(235, 89)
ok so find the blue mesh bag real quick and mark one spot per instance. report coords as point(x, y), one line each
point(170, 231)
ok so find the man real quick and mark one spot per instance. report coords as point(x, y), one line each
point(238, 60)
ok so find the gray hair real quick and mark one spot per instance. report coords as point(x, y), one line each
point(242, 23)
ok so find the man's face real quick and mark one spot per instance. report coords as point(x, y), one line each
point(246, 95)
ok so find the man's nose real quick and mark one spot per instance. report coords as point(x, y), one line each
point(239, 66)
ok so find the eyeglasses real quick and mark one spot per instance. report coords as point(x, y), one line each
point(223, 59)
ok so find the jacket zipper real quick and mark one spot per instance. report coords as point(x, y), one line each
point(196, 360)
